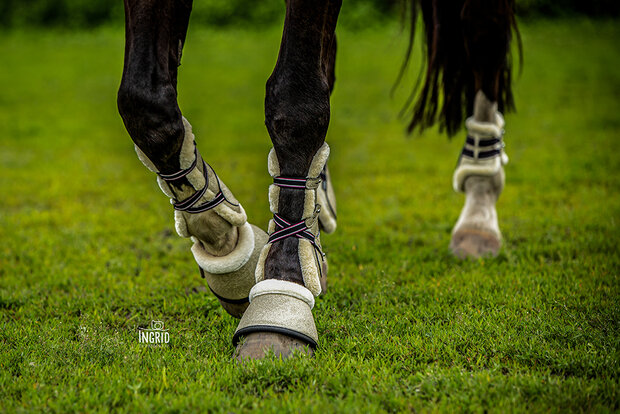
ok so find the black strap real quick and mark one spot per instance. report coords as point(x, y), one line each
point(483, 143)
point(481, 154)
point(187, 205)
point(180, 174)
point(296, 183)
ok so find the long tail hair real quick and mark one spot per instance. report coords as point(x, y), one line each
point(461, 37)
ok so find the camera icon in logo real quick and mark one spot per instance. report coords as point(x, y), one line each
point(157, 325)
point(155, 335)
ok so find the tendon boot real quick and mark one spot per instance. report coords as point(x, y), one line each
point(280, 313)
point(226, 247)
point(327, 200)
point(480, 175)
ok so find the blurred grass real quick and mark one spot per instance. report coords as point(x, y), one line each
point(88, 252)
point(355, 14)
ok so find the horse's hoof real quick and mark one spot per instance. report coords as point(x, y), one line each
point(259, 345)
point(279, 318)
point(474, 244)
point(231, 277)
point(233, 309)
point(476, 233)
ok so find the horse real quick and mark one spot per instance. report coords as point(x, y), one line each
point(270, 279)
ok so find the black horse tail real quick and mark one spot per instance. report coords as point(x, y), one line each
point(465, 40)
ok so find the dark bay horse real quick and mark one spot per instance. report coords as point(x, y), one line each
point(270, 279)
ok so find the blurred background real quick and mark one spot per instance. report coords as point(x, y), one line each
point(355, 13)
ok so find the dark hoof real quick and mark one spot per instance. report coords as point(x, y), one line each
point(235, 310)
point(474, 244)
point(258, 345)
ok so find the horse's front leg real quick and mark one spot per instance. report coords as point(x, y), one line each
point(292, 267)
point(225, 246)
point(480, 171)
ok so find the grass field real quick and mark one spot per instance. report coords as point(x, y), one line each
point(88, 253)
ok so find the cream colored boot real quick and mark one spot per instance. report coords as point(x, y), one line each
point(226, 247)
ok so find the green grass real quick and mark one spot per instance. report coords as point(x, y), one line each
point(88, 254)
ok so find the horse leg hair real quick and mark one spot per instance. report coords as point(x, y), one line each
point(147, 97)
point(297, 110)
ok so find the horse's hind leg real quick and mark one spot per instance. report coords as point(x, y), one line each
point(480, 173)
point(476, 233)
point(225, 246)
point(297, 115)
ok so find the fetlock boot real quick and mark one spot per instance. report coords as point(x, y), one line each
point(225, 246)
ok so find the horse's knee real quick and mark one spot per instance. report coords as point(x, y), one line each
point(151, 117)
point(297, 113)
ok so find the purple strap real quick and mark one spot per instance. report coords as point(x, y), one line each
point(284, 228)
